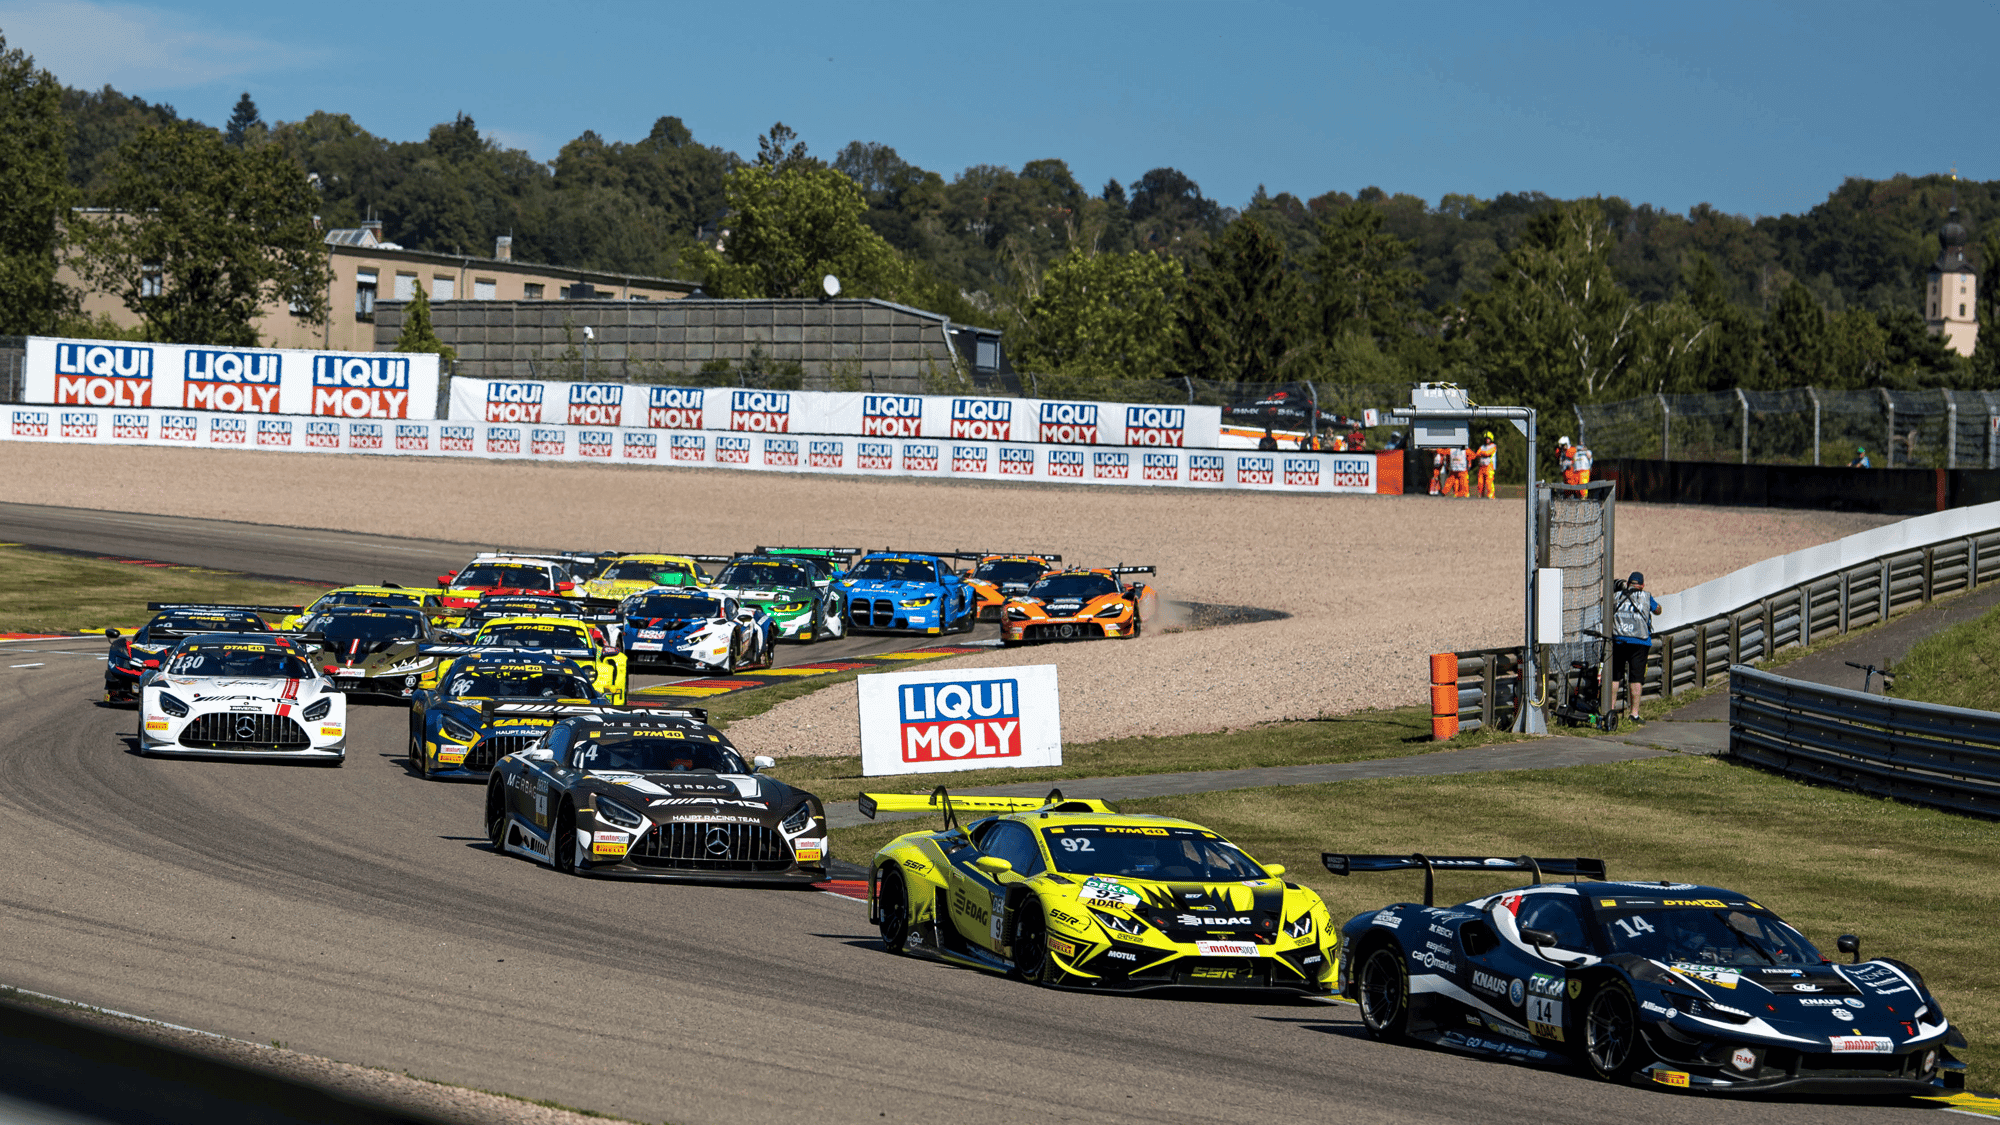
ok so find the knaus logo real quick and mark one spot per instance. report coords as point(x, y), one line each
point(364, 435)
point(1112, 463)
point(968, 718)
point(179, 427)
point(760, 411)
point(1161, 466)
point(732, 450)
point(891, 415)
point(968, 459)
point(548, 443)
point(1351, 472)
point(781, 452)
point(982, 419)
point(1302, 472)
point(1254, 470)
point(503, 439)
point(878, 455)
point(131, 427)
point(688, 447)
point(596, 404)
point(920, 458)
point(352, 386)
point(104, 375)
point(1156, 425)
point(674, 408)
point(240, 382)
point(31, 423)
point(323, 435)
point(1065, 462)
point(1069, 423)
point(830, 454)
point(455, 439)
point(413, 437)
point(513, 402)
point(642, 447)
point(274, 431)
point(227, 431)
point(1205, 468)
point(594, 443)
point(1017, 462)
point(79, 424)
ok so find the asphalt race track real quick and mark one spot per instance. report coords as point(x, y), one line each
point(357, 914)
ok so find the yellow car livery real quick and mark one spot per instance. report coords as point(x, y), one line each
point(629, 574)
point(578, 640)
point(427, 599)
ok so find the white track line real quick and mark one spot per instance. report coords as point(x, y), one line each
point(139, 1019)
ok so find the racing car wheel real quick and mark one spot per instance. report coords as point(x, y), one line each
point(1611, 1040)
point(1385, 993)
point(1031, 946)
point(892, 908)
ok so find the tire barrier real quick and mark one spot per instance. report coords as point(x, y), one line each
point(1444, 696)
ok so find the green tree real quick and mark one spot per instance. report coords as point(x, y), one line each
point(1796, 340)
point(1364, 297)
point(246, 126)
point(1101, 316)
point(35, 199)
point(419, 336)
point(204, 237)
point(791, 223)
point(1732, 354)
point(1240, 316)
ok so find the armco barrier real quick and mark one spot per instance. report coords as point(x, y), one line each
point(1925, 753)
point(777, 452)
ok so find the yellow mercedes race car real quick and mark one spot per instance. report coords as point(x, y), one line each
point(626, 575)
point(579, 638)
point(1071, 894)
point(428, 599)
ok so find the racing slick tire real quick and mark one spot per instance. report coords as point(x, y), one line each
point(1385, 993)
point(1613, 1047)
point(892, 910)
point(496, 816)
point(418, 765)
point(1032, 962)
point(1133, 632)
point(562, 840)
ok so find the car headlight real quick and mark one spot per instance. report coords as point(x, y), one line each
point(1111, 611)
point(1300, 927)
point(317, 711)
point(173, 706)
point(457, 732)
point(1016, 613)
point(1119, 925)
point(789, 607)
point(799, 821)
point(917, 603)
point(611, 812)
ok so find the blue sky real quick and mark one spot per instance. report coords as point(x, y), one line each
point(1756, 108)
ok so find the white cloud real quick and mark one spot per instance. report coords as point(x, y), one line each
point(87, 45)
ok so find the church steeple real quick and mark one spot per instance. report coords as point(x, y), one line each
point(1951, 294)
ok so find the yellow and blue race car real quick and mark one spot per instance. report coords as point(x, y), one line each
point(579, 638)
point(1070, 894)
point(626, 575)
point(388, 595)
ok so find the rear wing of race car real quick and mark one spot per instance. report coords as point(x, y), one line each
point(1131, 570)
point(940, 799)
point(831, 552)
point(711, 558)
point(501, 650)
point(279, 610)
point(492, 707)
point(1341, 863)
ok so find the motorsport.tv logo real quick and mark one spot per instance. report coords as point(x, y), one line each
point(959, 719)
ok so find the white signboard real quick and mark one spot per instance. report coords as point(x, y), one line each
point(959, 719)
point(118, 375)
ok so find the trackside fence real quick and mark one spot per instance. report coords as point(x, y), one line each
point(1926, 753)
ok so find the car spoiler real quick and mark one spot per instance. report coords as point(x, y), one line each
point(711, 558)
point(281, 610)
point(970, 555)
point(1131, 570)
point(1013, 555)
point(561, 607)
point(940, 799)
point(1341, 863)
point(489, 650)
point(839, 552)
point(492, 707)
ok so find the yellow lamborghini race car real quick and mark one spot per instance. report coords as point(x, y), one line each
point(1070, 894)
point(626, 575)
point(581, 639)
point(427, 599)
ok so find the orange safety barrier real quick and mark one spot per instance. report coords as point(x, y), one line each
point(1444, 696)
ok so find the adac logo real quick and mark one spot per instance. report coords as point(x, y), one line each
point(891, 415)
point(228, 431)
point(596, 404)
point(131, 427)
point(353, 386)
point(274, 431)
point(642, 447)
point(920, 458)
point(1069, 423)
point(364, 435)
point(31, 423)
point(1017, 462)
point(104, 375)
point(513, 402)
point(1066, 462)
point(1161, 466)
point(782, 453)
point(688, 447)
point(595, 443)
point(79, 424)
point(1302, 472)
point(455, 439)
point(978, 718)
point(674, 408)
point(968, 459)
point(1204, 468)
point(1110, 464)
point(548, 442)
point(1254, 470)
point(760, 411)
point(503, 439)
point(827, 454)
point(732, 450)
point(1155, 425)
point(982, 419)
point(877, 455)
point(322, 435)
point(413, 437)
point(242, 382)
point(179, 427)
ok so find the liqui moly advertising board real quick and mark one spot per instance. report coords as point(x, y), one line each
point(122, 375)
point(963, 719)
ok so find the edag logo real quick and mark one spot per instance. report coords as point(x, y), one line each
point(131, 427)
point(642, 447)
point(969, 718)
point(79, 424)
point(548, 443)
point(1161, 466)
point(781, 453)
point(513, 402)
point(413, 437)
point(732, 450)
point(920, 458)
point(227, 431)
point(1302, 472)
point(238, 382)
point(274, 431)
point(1205, 468)
point(455, 439)
point(364, 435)
point(1017, 462)
point(1156, 425)
point(179, 427)
point(1253, 470)
point(1350, 472)
point(827, 454)
point(104, 375)
point(874, 455)
point(760, 411)
point(1113, 464)
point(1065, 462)
point(352, 386)
point(594, 443)
point(596, 404)
point(688, 447)
point(322, 435)
point(31, 423)
point(1069, 423)
point(891, 415)
point(673, 408)
point(982, 419)
point(503, 439)
point(968, 459)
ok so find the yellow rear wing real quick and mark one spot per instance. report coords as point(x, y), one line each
point(941, 800)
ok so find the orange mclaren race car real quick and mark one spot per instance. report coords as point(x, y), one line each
point(999, 577)
point(1078, 605)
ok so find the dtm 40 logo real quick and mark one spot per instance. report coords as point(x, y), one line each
point(969, 718)
point(1204, 468)
point(828, 454)
point(594, 443)
point(413, 437)
point(79, 424)
point(455, 439)
point(968, 459)
point(1069, 423)
point(352, 386)
point(1161, 466)
point(642, 447)
point(982, 419)
point(878, 455)
point(1017, 462)
point(1114, 464)
point(513, 402)
point(131, 427)
point(322, 435)
point(689, 447)
point(1302, 472)
point(239, 382)
point(781, 453)
point(1156, 425)
point(891, 415)
point(732, 450)
point(274, 431)
point(104, 375)
point(364, 435)
point(31, 423)
point(1254, 470)
point(503, 439)
point(920, 458)
point(596, 404)
point(1066, 462)
point(674, 408)
point(760, 411)
point(547, 442)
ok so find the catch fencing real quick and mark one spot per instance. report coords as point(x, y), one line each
point(1934, 429)
point(1926, 753)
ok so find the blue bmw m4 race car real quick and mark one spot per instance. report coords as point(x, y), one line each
point(1671, 984)
point(901, 592)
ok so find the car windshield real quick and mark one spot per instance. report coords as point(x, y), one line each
point(344, 629)
point(658, 573)
point(1178, 855)
point(247, 661)
point(1002, 571)
point(895, 570)
point(673, 607)
point(1706, 936)
point(665, 751)
point(181, 623)
point(531, 636)
point(511, 575)
point(358, 597)
point(1064, 586)
point(763, 574)
point(530, 682)
point(820, 565)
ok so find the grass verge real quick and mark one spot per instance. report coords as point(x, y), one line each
point(1956, 667)
point(49, 592)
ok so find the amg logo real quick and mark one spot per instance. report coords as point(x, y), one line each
point(920, 458)
point(1161, 466)
point(781, 452)
point(982, 419)
point(674, 408)
point(731, 450)
point(1017, 462)
point(594, 443)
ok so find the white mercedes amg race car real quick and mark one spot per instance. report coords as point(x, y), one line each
point(242, 695)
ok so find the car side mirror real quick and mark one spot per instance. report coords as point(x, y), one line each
point(1275, 870)
point(993, 865)
point(112, 633)
point(746, 616)
point(445, 578)
point(565, 587)
point(762, 762)
point(1850, 945)
point(1538, 938)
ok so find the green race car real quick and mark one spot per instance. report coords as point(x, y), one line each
point(802, 609)
point(1071, 894)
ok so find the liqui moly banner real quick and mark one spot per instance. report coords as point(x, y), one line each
point(964, 719)
point(116, 374)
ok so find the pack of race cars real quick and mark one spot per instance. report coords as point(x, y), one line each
point(515, 672)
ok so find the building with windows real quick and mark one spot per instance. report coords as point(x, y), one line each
point(1951, 292)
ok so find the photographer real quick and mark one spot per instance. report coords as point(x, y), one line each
point(1633, 610)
